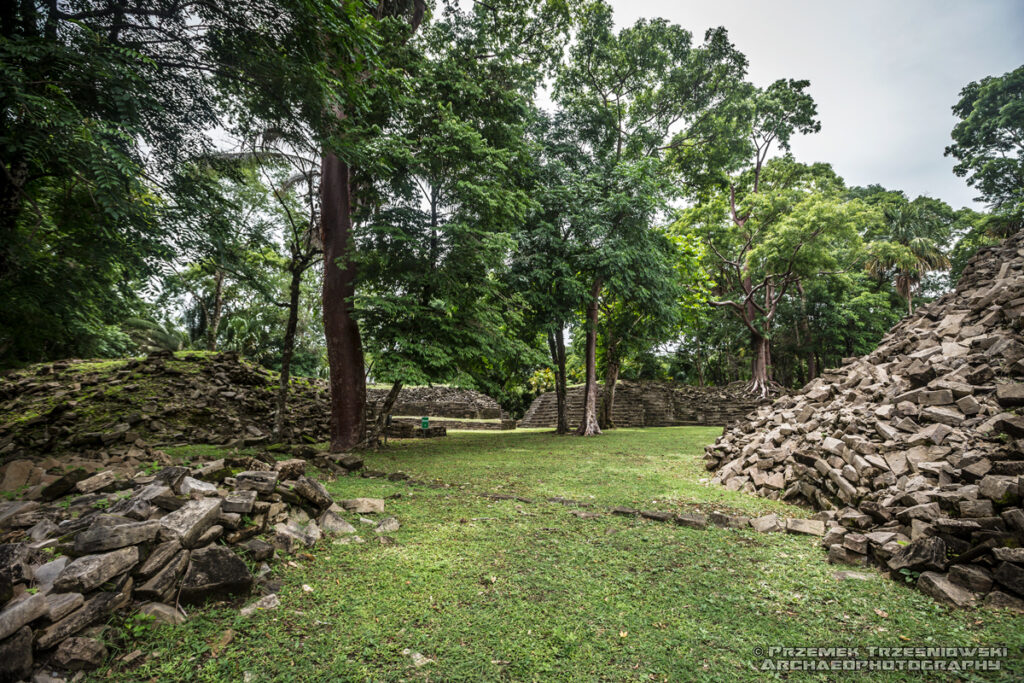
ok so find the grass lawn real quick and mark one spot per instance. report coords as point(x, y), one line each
point(503, 590)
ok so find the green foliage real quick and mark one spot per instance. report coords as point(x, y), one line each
point(988, 141)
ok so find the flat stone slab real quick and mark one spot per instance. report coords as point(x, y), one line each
point(693, 520)
point(214, 571)
point(22, 613)
point(333, 523)
point(190, 521)
point(720, 519)
point(810, 527)
point(314, 492)
point(161, 586)
point(99, 606)
point(16, 656)
point(194, 487)
point(99, 539)
point(944, 590)
point(767, 524)
point(239, 501)
point(89, 572)
point(363, 506)
point(256, 480)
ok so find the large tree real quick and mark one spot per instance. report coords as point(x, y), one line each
point(510, 38)
point(624, 93)
point(988, 141)
point(780, 223)
point(102, 101)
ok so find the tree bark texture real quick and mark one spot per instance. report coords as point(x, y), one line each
point(341, 330)
point(556, 344)
point(287, 351)
point(589, 425)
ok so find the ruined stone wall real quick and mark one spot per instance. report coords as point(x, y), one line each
point(652, 404)
point(440, 402)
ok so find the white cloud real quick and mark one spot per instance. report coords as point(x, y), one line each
point(884, 73)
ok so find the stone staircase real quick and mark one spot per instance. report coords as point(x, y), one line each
point(651, 404)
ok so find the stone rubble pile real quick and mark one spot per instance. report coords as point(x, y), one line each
point(916, 451)
point(90, 546)
point(98, 411)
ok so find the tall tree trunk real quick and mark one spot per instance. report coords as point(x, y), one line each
point(287, 351)
point(805, 325)
point(380, 421)
point(341, 331)
point(589, 425)
point(218, 307)
point(611, 376)
point(556, 344)
point(761, 382)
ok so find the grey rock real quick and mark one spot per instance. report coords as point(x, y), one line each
point(96, 482)
point(89, 572)
point(942, 589)
point(162, 613)
point(924, 554)
point(188, 523)
point(363, 506)
point(194, 487)
point(971, 577)
point(239, 501)
point(1011, 576)
point(16, 656)
point(838, 554)
point(767, 524)
point(255, 480)
point(811, 527)
point(1000, 600)
point(214, 571)
point(47, 573)
point(387, 525)
point(80, 654)
point(1009, 554)
point(257, 549)
point(159, 558)
point(21, 613)
point(693, 520)
point(101, 605)
point(59, 605)
point(99, 539)
point(333, 523)
point(163, 584)
point(267, 602)
point(720, 519)
point(314, 492)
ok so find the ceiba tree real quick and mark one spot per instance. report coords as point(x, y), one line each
point(797, 225)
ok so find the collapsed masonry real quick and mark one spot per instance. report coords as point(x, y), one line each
point(652, 404)
point(115, 408)
point(916, 451)
point(81, 546)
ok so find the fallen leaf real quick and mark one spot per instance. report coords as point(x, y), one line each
point(882, 613)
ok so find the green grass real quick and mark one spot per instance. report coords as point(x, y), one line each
point(509, 591)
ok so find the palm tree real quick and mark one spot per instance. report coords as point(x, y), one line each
point(911, 251)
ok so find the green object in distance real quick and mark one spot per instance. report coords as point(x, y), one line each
point(425, 422)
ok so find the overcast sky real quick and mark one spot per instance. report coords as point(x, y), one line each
point(883, 72)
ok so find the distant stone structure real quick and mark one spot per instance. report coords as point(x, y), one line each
point(652, 404)
point(447, 402)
